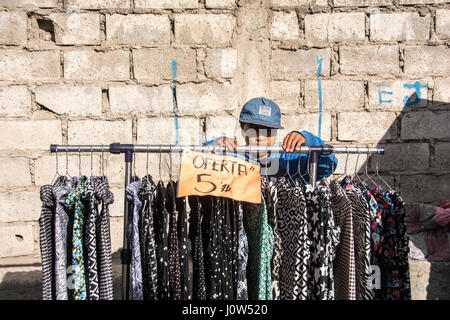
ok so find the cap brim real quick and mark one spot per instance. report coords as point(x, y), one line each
point(262, 123)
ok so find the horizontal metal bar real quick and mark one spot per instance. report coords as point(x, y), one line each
point(78, 148)
point(214, 149)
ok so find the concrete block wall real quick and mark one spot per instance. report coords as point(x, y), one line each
point(94, 72)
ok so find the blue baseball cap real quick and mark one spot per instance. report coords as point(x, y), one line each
point(261, 111)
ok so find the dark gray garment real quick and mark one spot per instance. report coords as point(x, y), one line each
point(104, 256)
point(46, 241)
point(137, 292)
point(61, 188)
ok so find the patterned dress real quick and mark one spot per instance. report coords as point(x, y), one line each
point(260, 253)
point(74, 201)
point(242, 291)
point(133, 234)
point(150, 278)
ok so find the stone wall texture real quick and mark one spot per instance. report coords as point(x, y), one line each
point(372, 72)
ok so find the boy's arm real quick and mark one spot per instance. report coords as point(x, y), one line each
point(327, 163)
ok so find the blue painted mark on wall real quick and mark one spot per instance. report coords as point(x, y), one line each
point(381, 92)
point(319, 72)
point(174, 95)
point(416, 86)
point(407, 101)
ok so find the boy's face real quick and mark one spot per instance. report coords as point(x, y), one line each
point(258, 135)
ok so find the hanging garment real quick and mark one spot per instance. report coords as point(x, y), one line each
point(290, 211)
point(133, 234)
point(74, 201)
point(362, 233)
point(195, 232)
point(260, 253)
point(104, 252)
point(174, 252)
point(228, 249)
point(161, 241)
point(344, 263)
point(242, 291)
point(46, 241)
point(61, 188)
point(184, 245)
point(147, 192)
point(90, 242)
point(303, 247)
point(387, 254)
point(211, 244)
point(233, 206)
point(402, 244)
point(375, 223)
point(324, 237)
point(270, 195)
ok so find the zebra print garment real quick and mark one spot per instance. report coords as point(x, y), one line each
point(105, 279)
point(344, 263)
point(46, 241)
point(90, 241)
point(361, 230)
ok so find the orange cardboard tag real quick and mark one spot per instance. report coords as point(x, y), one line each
point(205, 174)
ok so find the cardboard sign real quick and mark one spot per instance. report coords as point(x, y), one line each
point(205, 174)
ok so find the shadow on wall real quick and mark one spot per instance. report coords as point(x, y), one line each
point(417, 164)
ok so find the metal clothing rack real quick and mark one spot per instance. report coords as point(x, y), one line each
point(314, 153)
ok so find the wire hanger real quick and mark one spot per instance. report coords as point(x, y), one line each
point(160, 178)
point(147, 162)
point(287, 169)
point(67, 164)
point(92, 164)
point(102, 172)
point(300, 173)
point(370, 179)
point(79, 161)
point(57, 175)
point(355, 175)
point(346, 161)
point(381, 177)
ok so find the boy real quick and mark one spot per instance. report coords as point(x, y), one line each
point(260, 118)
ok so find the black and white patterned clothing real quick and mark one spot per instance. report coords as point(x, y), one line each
point(195, 233)
point(133, 234)
point(324, 237)
point(104, 252)
point(61, 188)
point(344, 263)
point(90, 241)
point(46, 241)
point(362, 233)
point(161, 241)
point(150, 277)
point(290, 212)
point(241, 283)
point(184, 245)
point(174, 250)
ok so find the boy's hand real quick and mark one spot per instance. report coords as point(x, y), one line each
point(293, 141)
point(230, 143)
